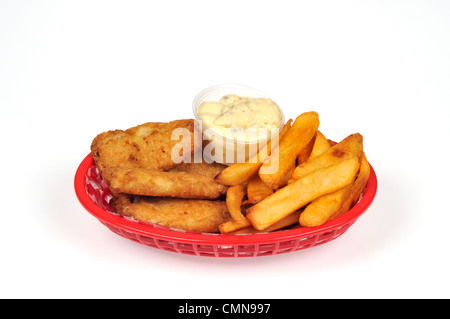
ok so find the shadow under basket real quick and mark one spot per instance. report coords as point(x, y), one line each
point(94, 194)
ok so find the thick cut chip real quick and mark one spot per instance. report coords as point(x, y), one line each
point(321, 209)
point(356, 189)
point(235, 195)
point(234, 200)
point(301, 192)
point(289, 220)
point(305, 153)
point(147, 145)
point(283, 158)
point(257, 190)
point(335, 204)
point(321, 145)
point(351, 146)
point(234, 225)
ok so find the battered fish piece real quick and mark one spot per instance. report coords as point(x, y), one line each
point(203, 168)
point(187, 214)
point(119, 201)
point(147, 145)
point(181, 184)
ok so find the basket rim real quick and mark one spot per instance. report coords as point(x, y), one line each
point(164, 233)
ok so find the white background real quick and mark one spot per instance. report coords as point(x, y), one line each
point(72, 69)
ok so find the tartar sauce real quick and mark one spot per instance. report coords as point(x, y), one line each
point(241, 118)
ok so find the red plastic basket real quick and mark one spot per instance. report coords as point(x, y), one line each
point(94, 195)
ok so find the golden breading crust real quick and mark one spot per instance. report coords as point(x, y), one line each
point(119, 201)
point(187, 214)
point(147, 145)
point(203, 168)
point(181, 184)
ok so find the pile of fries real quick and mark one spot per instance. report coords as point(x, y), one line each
point(316, 180)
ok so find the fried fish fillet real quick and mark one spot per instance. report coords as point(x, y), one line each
point(147, 145)
point(120, 200)
point(186, 214)
point(203, 168)
point(181, 184)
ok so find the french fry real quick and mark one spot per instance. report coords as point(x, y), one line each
point(286, 178)
point(351, 146)
point(356, 189)
point(235, 195)
point(234, 225)
point(240, 173)
point(289, 220)
point(257, 190)
point(321, 145)
point(322, 208)
point(301, 192)
point(306, 152)
point(335, 204)
point(282, 159)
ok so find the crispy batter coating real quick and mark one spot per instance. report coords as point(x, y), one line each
point(148, 185)
point(120, 200)
point(147, 145)
point(203, 168)
point(187, 214)
point(181, 184)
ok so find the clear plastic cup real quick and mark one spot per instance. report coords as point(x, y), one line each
point(225, 150)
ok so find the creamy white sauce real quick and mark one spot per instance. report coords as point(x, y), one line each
point(241, 118)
